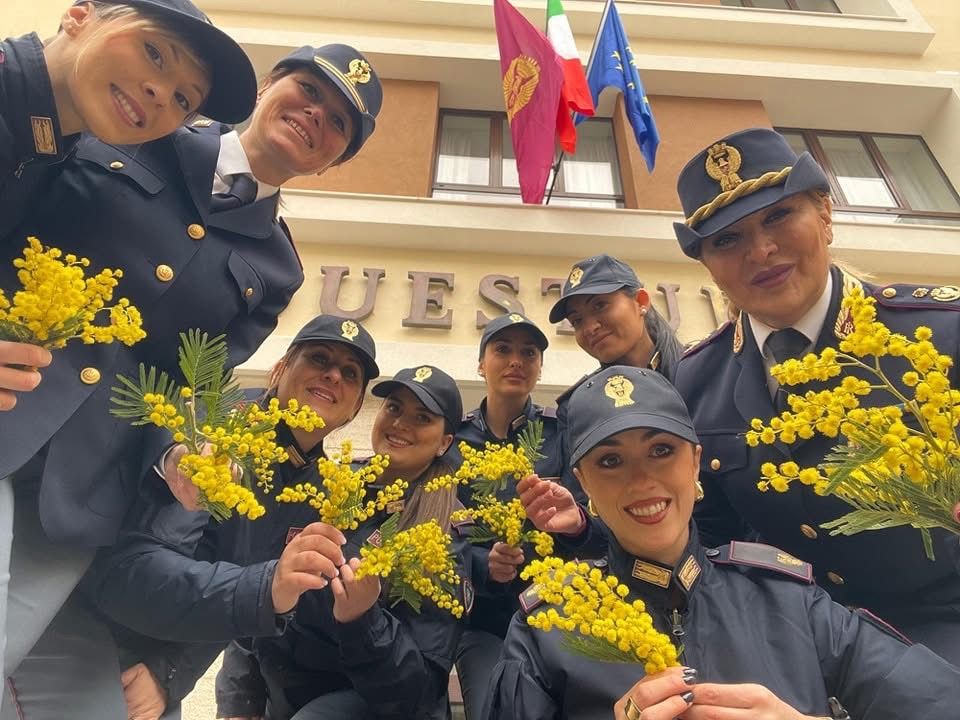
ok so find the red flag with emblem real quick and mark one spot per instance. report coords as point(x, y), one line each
point(532, 77)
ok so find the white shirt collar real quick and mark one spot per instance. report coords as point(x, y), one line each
point(233, 161)
point(810, 324)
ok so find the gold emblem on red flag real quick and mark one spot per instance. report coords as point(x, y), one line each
point(519, 83)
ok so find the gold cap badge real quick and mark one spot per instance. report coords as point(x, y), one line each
point(722, 164)
point(349, 330)
point(359, 71)
point(620, 390)
point(422, 374)
point(515, 318)
point(576, 275)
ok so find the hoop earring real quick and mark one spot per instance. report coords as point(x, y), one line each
point(699, 490)
point(591, 510)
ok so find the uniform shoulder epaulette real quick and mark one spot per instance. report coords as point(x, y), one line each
point(765, 557)
point(530, 598)
point(463, 527)
point(202, 123)
point(914, 297)
point(468, 417)
point(565, 395)
point(548, 412)
point(692, 348)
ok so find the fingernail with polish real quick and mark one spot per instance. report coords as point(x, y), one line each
point(689, 676)
point(687, 697)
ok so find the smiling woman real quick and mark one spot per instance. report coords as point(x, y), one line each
point(192, 220)
point(757, 639)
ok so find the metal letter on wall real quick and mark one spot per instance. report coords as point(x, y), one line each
point(423, 299)
point(547, 286)
point(333, 278)
point(494, 288)
point(669, 291)
point(717, 303)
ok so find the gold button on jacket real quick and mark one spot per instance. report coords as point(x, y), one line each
point(196, 231)
point(89, 376)
point(715, 464)
point(116, 165)
point(834, 578)
point(164, 273)
point(808, 531)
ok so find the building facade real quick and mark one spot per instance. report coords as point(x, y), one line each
point(423, 236)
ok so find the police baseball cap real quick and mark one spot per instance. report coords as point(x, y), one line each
point(433, 387)
point(736, 176)
point(514, 319)
point(353, 76)
point(594, 276)
point(622, 398)
point(330, 328)
point(233, 82)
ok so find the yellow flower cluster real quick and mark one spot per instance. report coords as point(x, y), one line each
point(418, 559)
point(494, 465)
point(900, 459)
point(585, 603)
point(505, 521)
point(59, 303)
point(247, 437)
point(342, 502)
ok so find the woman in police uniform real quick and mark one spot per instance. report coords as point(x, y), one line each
point(614, 322)
point(353, 652)
point(511, 358)
point(224, 580)
point(759, 219)
point(191, 219)
point(757, 638)
point(127, 71)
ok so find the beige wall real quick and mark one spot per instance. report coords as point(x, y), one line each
point(686, 126)
point(398, 157)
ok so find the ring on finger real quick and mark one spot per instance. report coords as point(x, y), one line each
point(631, 711)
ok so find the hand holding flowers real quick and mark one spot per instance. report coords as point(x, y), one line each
point(221, 432)
point(900, 464)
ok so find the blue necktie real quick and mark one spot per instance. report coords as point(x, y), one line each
point(243, 191)
point(785, 344)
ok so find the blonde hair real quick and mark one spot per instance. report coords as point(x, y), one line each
point(112, 18)
point(422, 506)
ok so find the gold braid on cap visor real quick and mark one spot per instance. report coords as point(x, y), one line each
point(745, 188)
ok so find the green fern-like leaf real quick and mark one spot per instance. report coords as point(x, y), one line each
point(531, 440)
point(390, 527)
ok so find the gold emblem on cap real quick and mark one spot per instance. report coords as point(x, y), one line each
point(422, 374)
point(945, 293)
point(359, 71)
point(348, 82)
point(722, 164)
point(44, 140)
point(515, 317)
point(576, 275)
point(788, 559)
point(349, 330)
point(519, 82)
point(620, 390)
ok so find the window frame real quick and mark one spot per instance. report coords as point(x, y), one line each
point(811, 138)
point(792, 5)
point(496, 157)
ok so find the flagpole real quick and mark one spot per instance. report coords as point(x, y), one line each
point(593, 50)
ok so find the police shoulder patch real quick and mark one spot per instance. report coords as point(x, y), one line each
point(696, 346)
point(765, 557)
point(548, 412)
point(910, 297)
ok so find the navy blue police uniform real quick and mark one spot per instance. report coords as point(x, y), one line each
point(31, 141)
point(216, 577)
point(725, 385)
point(746, 612)
point(229, 272)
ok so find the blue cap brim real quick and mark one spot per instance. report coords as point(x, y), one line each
point(385, 387)
point(559, 310)
point(630, 421)
point(805, 175)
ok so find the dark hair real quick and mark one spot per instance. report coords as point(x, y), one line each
point(292, 353)
point(664, 339)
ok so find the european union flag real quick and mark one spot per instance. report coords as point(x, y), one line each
point(612, 65)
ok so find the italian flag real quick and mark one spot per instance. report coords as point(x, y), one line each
point(574, 95)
